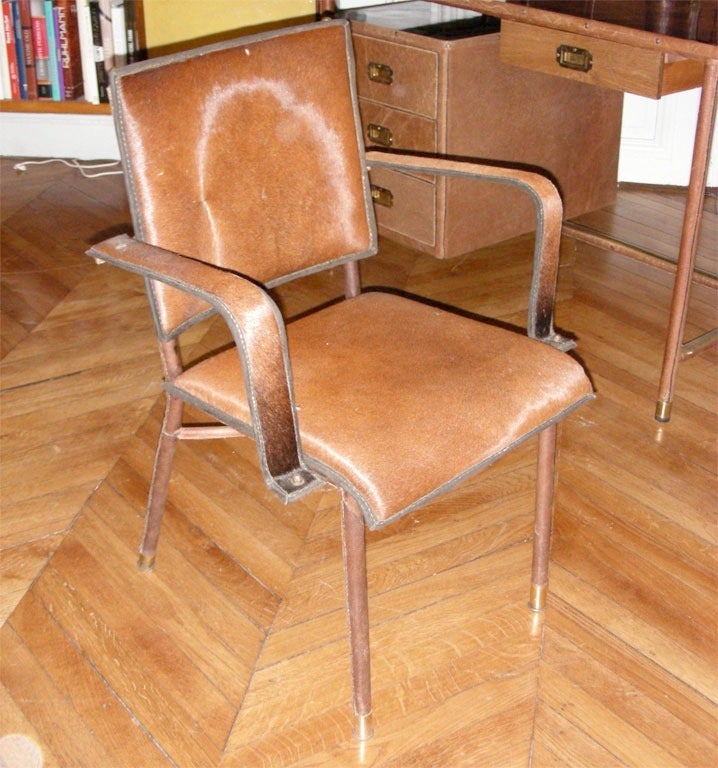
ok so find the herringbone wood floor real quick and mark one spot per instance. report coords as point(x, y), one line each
point(233, 651)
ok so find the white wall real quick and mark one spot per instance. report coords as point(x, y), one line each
point(657, 140)
point(85, 137)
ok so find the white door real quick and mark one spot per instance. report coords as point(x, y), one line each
point(657, 140)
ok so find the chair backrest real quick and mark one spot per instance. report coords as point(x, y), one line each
point(247, 154)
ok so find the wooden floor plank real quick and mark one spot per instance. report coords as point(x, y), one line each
point(59, 725)
point(102, 714)
point(665, 647)
point(177, 704)
point(558, 743)
point(604, 702)
point(17, 725)
point(696, 712)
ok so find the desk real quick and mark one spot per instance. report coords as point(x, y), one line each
point(681, 36)
point(648, 47)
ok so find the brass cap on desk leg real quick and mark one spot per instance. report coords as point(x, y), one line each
point(537, 598)
point(663, 411)
point(363, 727)
point(145, 562)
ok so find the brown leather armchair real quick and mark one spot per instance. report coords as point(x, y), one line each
point(245, 168)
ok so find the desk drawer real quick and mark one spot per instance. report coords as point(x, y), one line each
point(597, 62)
point(405, 206)
point(386, 127)
point(397, 75)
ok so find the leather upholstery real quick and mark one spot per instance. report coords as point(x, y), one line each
point(398, 400)
point(242, 140)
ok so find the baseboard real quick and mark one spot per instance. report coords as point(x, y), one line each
point(32, 134)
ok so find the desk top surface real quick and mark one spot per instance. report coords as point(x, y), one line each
point(682, 27)
point(685, 19)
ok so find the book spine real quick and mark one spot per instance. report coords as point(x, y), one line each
point(70, 56)
point(131, 31)
point(19, 52)
point(60, 74)
point(52, 50)
point(87, 54)
point(102, 79)
point(4, 63)
point(9, 40)
point(106, 33)
point(119, 33)
point(41, 51)
point(27, 48)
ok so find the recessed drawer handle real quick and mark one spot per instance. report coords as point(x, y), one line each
point(380, 134)
point(380, 73)
point(574, 58)
point(382, 196)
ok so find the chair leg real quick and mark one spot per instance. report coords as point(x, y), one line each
point(545, 473)
point(160, 481)
point(357, 600)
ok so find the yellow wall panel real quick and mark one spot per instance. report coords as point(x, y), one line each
point(172, 21)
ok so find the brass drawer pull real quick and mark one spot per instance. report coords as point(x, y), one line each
point(380, 73)
point(571, 57)
point(382, 196)
point(380, 134)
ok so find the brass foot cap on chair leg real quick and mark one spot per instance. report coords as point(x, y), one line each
point(146, 562)
point(663, 411)
point(537, 598)
point(363, 727)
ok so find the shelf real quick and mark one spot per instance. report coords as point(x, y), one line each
point(54, 107)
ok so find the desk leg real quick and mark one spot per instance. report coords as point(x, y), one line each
point(689, 241)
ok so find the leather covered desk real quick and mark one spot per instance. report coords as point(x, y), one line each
point(648, 47)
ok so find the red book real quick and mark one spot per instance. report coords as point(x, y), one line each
point(69, 38)
point(27, 47)
point(9, 41)
point(42, 50)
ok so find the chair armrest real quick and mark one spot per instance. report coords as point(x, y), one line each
point(258, 331)
point(549, 215)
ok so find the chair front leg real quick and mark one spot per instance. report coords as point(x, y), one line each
point(545, 474)
point(159, 486)
point(357, 602)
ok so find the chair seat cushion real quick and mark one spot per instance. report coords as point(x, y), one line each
point(397, 399)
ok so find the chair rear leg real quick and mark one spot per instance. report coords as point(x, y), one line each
point(545, 474)
point(357, 601)
point(160, 481)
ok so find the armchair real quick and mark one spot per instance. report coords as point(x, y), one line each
point(245, 168)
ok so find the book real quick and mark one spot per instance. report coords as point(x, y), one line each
point(13, 74)
point(119, 33)
point(70, 55)
point(105, 11)
point(27, 48)
point(131, 28)
point(19, 50)
point(52, 47)
point(99, 51)
point(5, 87)
point(87, 52)
point(41, 50)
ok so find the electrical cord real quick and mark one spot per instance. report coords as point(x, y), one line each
point(82, 168)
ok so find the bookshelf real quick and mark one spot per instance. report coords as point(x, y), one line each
point(78, 107)
point(79, 129)
point(131, 14)
point(166, 25)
